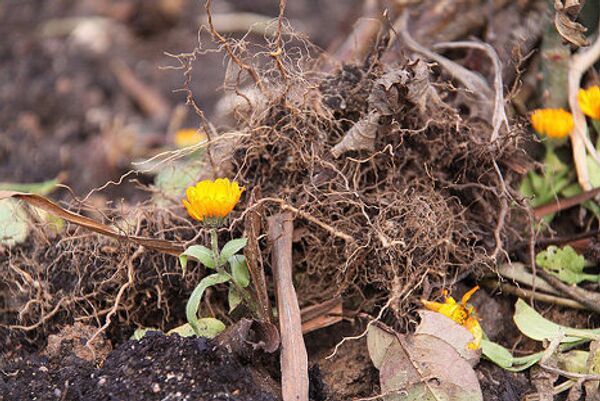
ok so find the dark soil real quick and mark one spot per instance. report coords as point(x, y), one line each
point(155, 368)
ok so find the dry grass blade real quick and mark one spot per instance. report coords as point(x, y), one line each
point(47, 205)
point(580, 140)
point(499, 116)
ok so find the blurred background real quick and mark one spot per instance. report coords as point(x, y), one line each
point(84, 91)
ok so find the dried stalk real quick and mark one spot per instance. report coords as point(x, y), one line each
point(294, 359)
point(580, 140)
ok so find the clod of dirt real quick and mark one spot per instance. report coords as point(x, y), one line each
point(156, 368)
point(357, 379)
point(499, 385)
point(74, 340)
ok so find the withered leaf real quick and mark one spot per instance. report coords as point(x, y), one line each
point(420, 367)
point(360, 137)
point(564, 20)
point(437, 325)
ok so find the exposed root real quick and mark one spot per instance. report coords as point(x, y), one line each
point(427, 202)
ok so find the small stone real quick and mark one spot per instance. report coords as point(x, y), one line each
point(102, 381)
point(155, 387)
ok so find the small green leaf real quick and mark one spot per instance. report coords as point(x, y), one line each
point(231, 248)
point(14, 225)
point(171, 181)
point(503, 358)
point(40, 188)
point(199, 253)
point(141, 332)
point(234, 298)
point(185, 330)
point(565, 264)
point(239, 270)
point(496, 353)
point(574, 361)
point(193, 304)
point(536, 327)
point(208, 327)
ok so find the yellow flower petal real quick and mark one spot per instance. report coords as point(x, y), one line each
point(188, 137)
point(589, 101)
point(461, 313)
point(555, 123)
point(212, 199)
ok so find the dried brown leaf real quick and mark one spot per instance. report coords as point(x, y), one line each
point(360, 137)
point(421, 367)
point(564, 20)
point(437, 325)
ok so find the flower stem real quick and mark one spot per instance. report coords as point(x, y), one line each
point(214, 242)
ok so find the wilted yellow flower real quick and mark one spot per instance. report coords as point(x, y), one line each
point(211, 201)
point(188, 137)
point(589, 101)
point(556, 123)
point(462, 314)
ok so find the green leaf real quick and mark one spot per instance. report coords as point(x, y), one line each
point(234, 298)
point(40, 188)
point(239, 270)
point(141, 332)
point(14, 225)
point(541, 189)
point(573, 361)
point(496, 353)
point(231, 248)
point(503, 358)
point(565, 264)
point(594, 171)
point(173, 180)
point(199, 253)
point(208, 327)
point(536, 327)
point(193, 304)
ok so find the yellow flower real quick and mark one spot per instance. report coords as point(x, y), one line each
point(211, 201)
point(462, 314)
point(556, 123)
point(589, 101)
point(188, 137)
